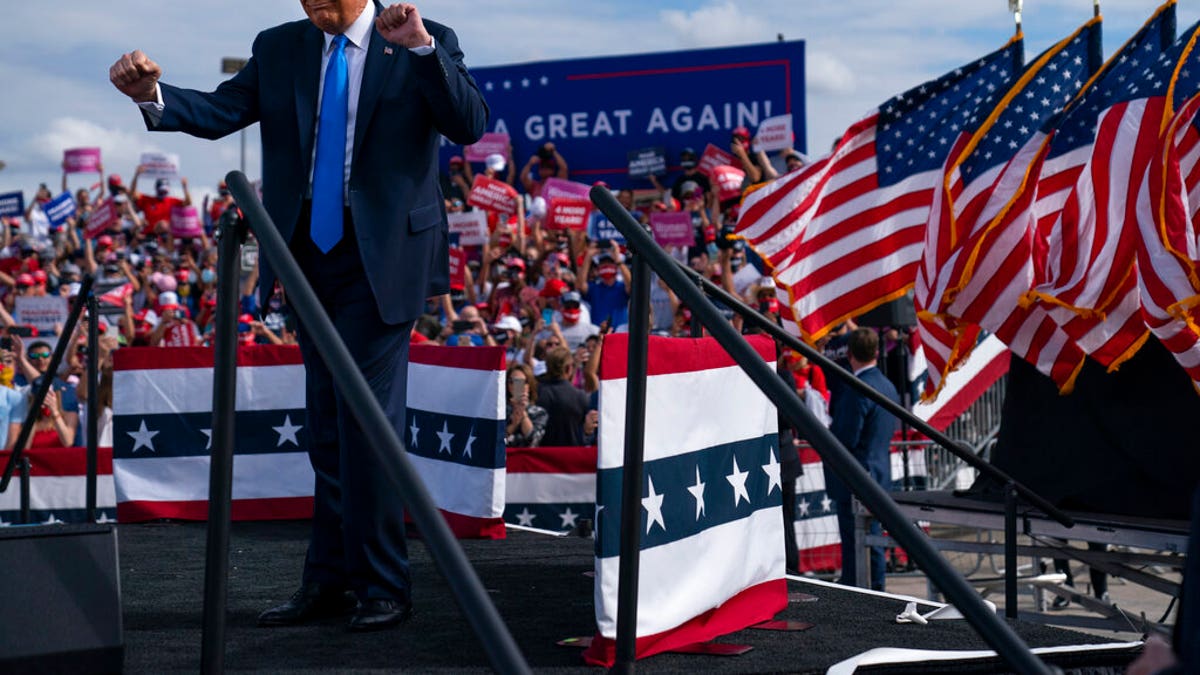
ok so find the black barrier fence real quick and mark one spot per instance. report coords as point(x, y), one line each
point(990, 627)
point(478, 610)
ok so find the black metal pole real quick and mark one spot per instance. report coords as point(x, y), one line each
point(231, 233)
point(631, 474)
point(1010, 552)
point(93, 405)
point(995, 632)
point(44, 383)
point(905, 416)
point(468, 590)
point(23, 518)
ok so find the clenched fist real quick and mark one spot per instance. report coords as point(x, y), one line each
point(401, 24)
point(136, 76)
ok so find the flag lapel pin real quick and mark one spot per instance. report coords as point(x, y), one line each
point(387, 50)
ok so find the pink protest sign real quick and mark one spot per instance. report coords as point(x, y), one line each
point(471, 227)
point(458, 265)
point(557, 187)
point(567, 213)
point(185, 222)
point(775, 133)
point(101, 219)
point(81, 160)
point(493, 195)
point(712, 158)
point(672, 228)
point(728, 181)
point(490, 144)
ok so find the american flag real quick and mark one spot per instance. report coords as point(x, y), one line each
point(1168, 259)
point(1085, 275)
point(982, 171)
point(712, 557)
point(845, 233)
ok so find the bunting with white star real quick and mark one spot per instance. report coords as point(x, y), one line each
point(550, 488)
point(162, 434)
point(58, 487)
point(455, 434)
point(712, 559)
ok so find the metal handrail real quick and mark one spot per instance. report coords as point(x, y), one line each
point(990, 627)
point(392, 458)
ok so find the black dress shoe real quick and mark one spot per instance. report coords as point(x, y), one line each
point(377, 614)
point(311, 602)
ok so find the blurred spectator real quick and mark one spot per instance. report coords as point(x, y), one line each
point(526, 422)
point(793, 160)
point(51, 428)
point(174, 328)
point(565, 405)
point(607, 295)
point(104, 393)
point(576, 324)
point(157, 208)
point(547, 163)
point(756, 164)
point(689, 162)
point(12, 403)
point(213, 211)
point(32, 369)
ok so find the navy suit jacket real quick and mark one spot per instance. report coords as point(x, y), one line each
point(405, 103)
point(865, 428)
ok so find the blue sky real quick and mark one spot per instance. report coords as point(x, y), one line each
point(859, 53)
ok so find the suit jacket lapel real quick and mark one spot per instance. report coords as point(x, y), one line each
point(308, 78)
point(381, 58)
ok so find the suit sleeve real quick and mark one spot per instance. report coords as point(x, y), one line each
point(848, 418)
point(231, 107)
point(459, 111)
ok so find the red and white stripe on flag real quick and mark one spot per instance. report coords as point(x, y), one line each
point(1168, 254)
point(58, 487)
point(710, 517)
point(455, 434)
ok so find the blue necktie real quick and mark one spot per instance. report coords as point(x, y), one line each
point(329, 171)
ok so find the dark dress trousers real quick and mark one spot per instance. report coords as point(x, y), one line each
point(374, 282)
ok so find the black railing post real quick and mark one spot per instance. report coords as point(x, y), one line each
point(93, 405)
point(1010, 551)
point(231, 233)
point(391, 456)
point(23, 518)
point(631, 474)
point(983, 619)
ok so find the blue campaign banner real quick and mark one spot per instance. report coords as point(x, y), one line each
point(60, 208)
point(12, 204)
point(597, 110)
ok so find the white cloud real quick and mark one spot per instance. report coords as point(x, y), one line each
point(827, 74)
point(117, 147)
point(717, 24)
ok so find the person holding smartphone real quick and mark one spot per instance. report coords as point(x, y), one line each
point(526, 420)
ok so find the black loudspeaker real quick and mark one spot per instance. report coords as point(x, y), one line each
point(895, 314)
point(61, 609)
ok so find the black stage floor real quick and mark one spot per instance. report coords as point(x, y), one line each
point(538, 585)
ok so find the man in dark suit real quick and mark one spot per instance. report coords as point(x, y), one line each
point(866, 429)
point(351, 104)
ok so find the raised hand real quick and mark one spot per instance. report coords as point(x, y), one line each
point(136, 76)
point(401, 24)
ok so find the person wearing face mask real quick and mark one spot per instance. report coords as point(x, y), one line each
point(214, 210)
point(607, 295)
point(157, 207)
point(12, 403)
point(36, 220)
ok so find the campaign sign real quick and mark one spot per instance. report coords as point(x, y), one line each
point(728, 181)
point(81, 160)
point(12, 204)
point(60, 208)
point(458, 267)
point(185, 222)
point(494, 195)
point(595, 110)
point(672, 228)
point(647, 162)
point(102, 218)
point(44, 312)
point(555, 188)
point(774, 134)
point(567, 213)
point(600, 228)
point(471, 227)
point(712, 158)
point(159, 165)
point(490, 144)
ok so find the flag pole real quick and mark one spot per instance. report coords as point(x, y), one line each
point(1095, 8)
point(1014, 6)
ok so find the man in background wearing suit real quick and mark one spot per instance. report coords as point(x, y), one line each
point(866, 430)
point(351, 104)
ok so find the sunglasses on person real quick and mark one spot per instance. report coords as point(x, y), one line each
point(39, 355)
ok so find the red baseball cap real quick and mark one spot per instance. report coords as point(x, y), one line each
point(39, 277)
point(114, 179)
point(742, 132)
point(24, 279)
point(516, 262)
point(104, 240)
point(553, 288)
